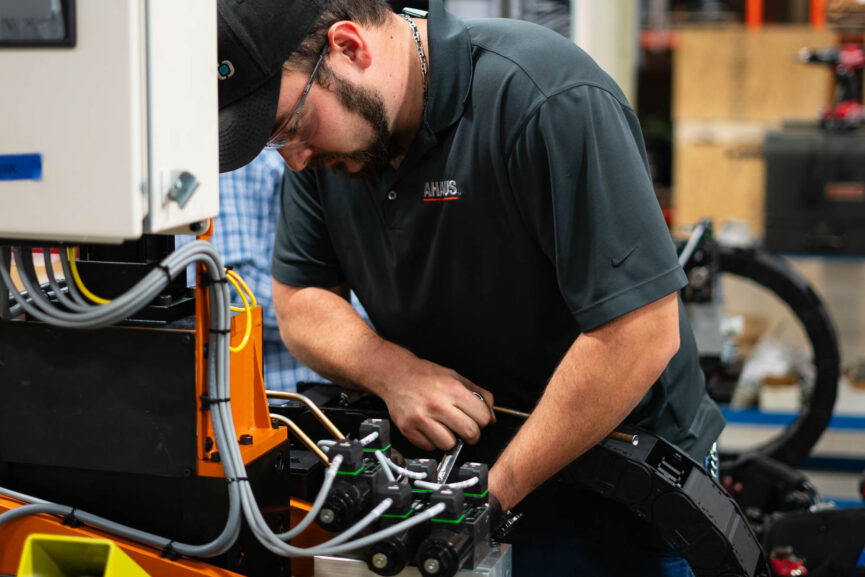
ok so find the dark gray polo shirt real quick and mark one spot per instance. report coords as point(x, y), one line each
point(522, 215)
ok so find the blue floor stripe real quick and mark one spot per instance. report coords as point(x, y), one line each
point(756, 417)
point(845, 503)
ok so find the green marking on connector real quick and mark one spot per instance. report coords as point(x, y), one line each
point(349, 472)
point(452, 521)
point(398, 516)
point(373, 450)
point(421, 490)
point(478, 495)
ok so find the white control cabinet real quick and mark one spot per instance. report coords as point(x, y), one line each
point(108, 118)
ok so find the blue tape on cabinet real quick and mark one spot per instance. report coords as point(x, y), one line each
point(20, 167)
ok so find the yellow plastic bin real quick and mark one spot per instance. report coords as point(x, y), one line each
point(61, 556)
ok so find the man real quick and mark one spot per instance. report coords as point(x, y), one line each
point(483, 188)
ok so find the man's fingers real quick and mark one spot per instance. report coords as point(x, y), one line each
point(440, 436)
point(474, 404)
point(488, 399)
point(452, 415)
point(466, 427)
point(480, 394)
point(420, 440)
point(441, 406)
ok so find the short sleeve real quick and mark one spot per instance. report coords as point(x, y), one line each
point(303, 254)
point(580, 177)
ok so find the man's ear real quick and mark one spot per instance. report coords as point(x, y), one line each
point(348, 45)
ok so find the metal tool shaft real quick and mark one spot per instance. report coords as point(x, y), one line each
point(615, 435)
point(448, 462)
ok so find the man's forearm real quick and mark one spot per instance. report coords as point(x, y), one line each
point(324, 332)
point(599, 381)
point(429, 403)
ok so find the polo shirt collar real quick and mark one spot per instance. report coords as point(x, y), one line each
point(450, 68)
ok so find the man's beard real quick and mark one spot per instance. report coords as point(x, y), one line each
point(374, 158)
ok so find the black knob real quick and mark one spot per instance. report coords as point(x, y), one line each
point(340, 507)
point(442, 554)
point(388, 556)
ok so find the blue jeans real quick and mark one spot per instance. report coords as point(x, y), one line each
point(568, 531)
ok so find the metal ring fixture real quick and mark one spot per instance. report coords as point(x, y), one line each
point(773, 273)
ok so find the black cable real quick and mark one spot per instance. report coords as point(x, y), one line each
point(70, 520)
point(207, 281)
point(207, 401)
point(168, 552)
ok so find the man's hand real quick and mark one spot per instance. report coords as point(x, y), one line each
point(432, 405)
point(429, 403)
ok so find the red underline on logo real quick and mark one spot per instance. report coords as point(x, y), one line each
point(441, 199)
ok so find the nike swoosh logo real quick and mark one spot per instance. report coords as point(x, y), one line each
point(617, 262)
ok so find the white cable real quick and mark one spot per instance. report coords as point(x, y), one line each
point(313, 512)
point(133, 300)
point(22, 497)
point(241, 499)
point(326, 444)
point(379, 535)
point(470, 482)
point(691, 245)
point(369, 438)
point(410, 474)
point(384, 465)
point(367, 519)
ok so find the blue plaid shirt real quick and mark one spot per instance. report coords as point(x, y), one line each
point(243, 234)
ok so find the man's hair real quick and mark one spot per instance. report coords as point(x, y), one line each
point(367, 12)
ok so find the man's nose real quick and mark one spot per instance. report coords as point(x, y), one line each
point(296, 157)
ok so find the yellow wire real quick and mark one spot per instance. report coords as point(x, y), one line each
point(232, 277)
point(248, 311)
point(73, 268)
point(245, 286)
point(231, 274)
point(228, 272)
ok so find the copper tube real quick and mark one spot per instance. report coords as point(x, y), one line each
point(322, 418)
point(625, 438)
point(303, 437)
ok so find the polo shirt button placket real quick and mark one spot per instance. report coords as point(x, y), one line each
point(391, 195)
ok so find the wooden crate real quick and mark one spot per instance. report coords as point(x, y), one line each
point(718, 172)
point(730, 85)
point(734, 74)
point(845, 13)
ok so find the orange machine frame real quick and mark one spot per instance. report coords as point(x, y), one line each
point(14, 533)
point(251, 417)
point(248, 398)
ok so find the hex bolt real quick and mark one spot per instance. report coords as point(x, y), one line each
point(379, 560)
point(327, 516)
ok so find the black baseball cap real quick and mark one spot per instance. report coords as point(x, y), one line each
point(255, 38)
